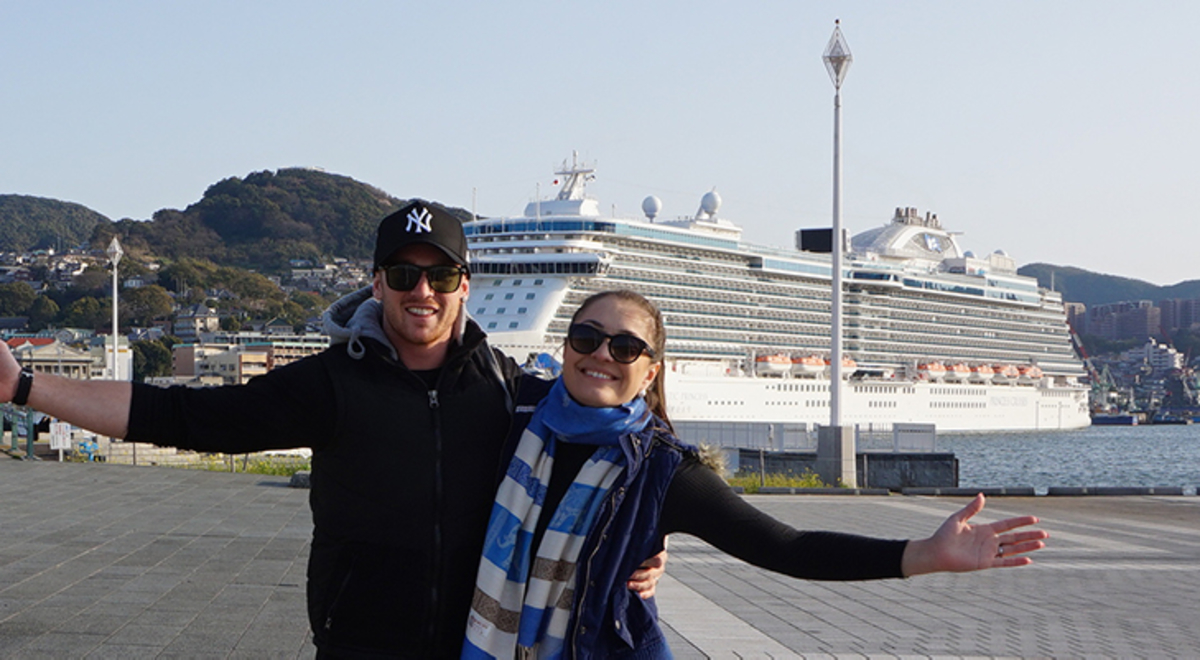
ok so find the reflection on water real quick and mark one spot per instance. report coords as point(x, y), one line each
point(1096, 456)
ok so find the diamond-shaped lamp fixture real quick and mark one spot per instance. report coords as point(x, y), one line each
point(837, 57)
point(114, 251)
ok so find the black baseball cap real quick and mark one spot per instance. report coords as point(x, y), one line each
point(420, 222)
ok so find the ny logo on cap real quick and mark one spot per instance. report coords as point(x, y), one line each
point(419, 222)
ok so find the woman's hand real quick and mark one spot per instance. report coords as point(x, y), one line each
point(645, 579)
point(959, 546)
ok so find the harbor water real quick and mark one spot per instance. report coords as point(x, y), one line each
point(1138, 456)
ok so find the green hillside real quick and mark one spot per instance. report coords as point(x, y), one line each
point(1078, 285)
point(30, 223)
point(264, 220)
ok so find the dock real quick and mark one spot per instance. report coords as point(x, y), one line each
point(109, 561)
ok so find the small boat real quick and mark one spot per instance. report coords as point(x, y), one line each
point(932, 371)
point(958, 372)
point(772, 365)
point(848, 366)
point(1114, 419)
point(1004, 373)
point(808, 365)
point(1028, 374)
point(1170, 418)
point(981, 373)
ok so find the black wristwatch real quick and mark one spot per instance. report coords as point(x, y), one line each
point(24, 382)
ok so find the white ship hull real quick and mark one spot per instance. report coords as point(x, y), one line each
point(875, 405)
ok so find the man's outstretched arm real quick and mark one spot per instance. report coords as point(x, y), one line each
point(97, 405)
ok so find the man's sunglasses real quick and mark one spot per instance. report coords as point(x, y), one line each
point(624, 348)
point(442, 279)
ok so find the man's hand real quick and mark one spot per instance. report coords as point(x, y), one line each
point(645, 579)
point(10, 371)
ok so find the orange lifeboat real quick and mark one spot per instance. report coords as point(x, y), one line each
point(958, 372)
point(848, 366)
point(1004, 373)
point(981, 373)
point(1029, 374)
point(809, 365)
point(774, 365)
point(933, 371)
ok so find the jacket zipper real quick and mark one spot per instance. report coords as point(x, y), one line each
point(435, 581)
point(581, 597)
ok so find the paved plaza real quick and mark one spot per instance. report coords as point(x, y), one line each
point(106, 561)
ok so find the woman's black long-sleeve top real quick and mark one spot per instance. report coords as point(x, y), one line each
point(700, 503)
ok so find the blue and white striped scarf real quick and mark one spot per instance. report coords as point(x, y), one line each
point(523, 599)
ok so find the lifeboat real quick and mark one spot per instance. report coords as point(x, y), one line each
point(809, 365)
point(1004, 373)
point(772, 365)
point(981, 373)
point(1029, 374)
point(848, 366)
point(933, 371)
point(958, 372)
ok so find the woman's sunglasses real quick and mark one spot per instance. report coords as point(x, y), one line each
point(442, 279)
point(624, 348)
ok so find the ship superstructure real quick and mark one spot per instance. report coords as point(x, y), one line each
point(932, 333)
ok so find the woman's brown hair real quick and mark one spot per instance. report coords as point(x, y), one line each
point(656, 394)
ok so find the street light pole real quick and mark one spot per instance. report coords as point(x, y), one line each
point(114, 256)
point(836, 450)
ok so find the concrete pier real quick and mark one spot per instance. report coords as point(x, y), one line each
point(110, 561)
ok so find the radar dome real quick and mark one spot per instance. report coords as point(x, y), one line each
point(651, 206)
point(1001, 253)
point(969, 254)
point(710, 202)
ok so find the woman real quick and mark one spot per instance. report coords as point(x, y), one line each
point(598, 479)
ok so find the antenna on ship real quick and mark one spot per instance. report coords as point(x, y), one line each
point(651, 206)
point(836, 454)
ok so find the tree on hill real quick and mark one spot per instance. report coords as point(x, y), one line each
point(42, 313)
point(30, 223)
point(141, 306)
point(16, 298)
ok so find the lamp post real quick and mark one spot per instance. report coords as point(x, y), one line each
point(835, 447)
point(115, 253)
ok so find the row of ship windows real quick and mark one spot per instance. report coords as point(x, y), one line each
point(883, 389)
point(988, 324)
point(950, 391)
point(817, 293)
point(799, 387)
point(958, 404)
point(509, 296)
point(535, 268)
point(882, 404)
point(480, 311)
point(518, 282)
point(722, 285)
point(512, 325)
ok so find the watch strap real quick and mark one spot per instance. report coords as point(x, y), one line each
point(24, 383)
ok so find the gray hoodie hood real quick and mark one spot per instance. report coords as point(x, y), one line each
point(355, 316)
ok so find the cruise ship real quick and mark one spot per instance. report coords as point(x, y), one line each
point(932, 334)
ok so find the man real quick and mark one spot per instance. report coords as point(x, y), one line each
point(406, 414)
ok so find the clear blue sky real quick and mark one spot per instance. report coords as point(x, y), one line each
point(1065, 132)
